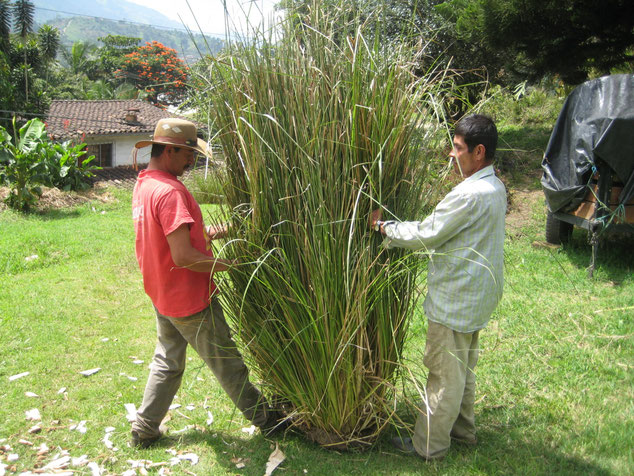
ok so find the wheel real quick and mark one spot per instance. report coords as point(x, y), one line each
point(557, 231)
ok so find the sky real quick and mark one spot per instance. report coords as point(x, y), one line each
point(211, 13)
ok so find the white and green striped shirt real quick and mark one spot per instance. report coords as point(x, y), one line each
point(465, 236)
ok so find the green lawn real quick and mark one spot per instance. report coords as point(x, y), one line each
point(556, 374)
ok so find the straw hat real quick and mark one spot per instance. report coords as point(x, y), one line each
point(176, 132)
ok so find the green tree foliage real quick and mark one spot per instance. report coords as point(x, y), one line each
point(81, 58)
point(5, 25)
point(25, 58)
point(393, 20)
point(93, 72)
point(157, 70)
point(507, 41)
point(48, 40)
point(23, 12)
point(528, 39)
point(420, 24)
point(115, 48)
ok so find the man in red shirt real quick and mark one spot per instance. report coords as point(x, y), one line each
point(177, 269)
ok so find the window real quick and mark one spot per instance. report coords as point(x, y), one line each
point(102, 153)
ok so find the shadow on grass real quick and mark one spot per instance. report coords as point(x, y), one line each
point(614, 258)
point(507, 444)
point(519, 448)
point(58, 213)
point(504, 448)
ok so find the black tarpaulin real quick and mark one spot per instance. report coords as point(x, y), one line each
point(596, 123)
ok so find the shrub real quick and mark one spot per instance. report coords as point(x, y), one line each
point(64, 169)
point(29, 159)
point(22, 167)
point(534, 105)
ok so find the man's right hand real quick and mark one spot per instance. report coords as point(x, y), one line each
point(374, 217)
point(215, 232)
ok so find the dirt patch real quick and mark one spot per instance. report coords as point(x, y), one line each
point(53, 198)
point(523, 193)
point(521, 207)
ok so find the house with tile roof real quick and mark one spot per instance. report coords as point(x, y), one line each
point(110, 128)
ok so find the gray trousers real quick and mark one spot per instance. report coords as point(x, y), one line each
point(451, 358)
point(208, 333)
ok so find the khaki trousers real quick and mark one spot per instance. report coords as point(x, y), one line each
point(208, 333)
point(451, 358)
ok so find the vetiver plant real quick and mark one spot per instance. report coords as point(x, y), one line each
point(318, 128)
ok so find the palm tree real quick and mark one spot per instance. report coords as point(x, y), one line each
point(5, 25)
point(79, 57)
point(128, 91)
point(100, 89)
point(23, 12)
point(48, 40)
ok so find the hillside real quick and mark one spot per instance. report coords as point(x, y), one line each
point(46, 10)
point(90, 29)
point(92, 21)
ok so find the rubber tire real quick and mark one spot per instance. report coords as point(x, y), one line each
point(557, 231)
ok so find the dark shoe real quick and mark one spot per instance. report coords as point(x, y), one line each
point(404, 444)
point(138, 442)
point(469, 440)
point(277, 423)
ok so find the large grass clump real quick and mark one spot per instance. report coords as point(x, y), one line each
point(318, 128)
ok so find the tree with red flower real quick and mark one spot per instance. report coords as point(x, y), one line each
point(157, 70)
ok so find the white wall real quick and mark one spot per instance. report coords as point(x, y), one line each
point(122, 146)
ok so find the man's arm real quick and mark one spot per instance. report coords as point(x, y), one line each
point(450, 217)
point(185, 255)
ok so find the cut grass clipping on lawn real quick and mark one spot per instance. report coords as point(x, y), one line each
point(318, 129)
point(555, 378)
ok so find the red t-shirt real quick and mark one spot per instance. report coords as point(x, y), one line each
point(160, 204)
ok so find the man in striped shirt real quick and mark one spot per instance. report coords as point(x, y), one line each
point(464, 236)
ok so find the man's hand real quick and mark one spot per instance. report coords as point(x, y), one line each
point(374, 217)
point(215, 232)
point(185, 255)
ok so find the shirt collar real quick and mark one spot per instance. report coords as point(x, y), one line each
point(485, 172)
point(155, 173)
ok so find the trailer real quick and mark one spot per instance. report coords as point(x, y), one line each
point(588, 166)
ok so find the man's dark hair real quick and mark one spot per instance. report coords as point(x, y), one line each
point(478, 129)
point(157, 149)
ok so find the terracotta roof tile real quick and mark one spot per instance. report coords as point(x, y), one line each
point(67, 118)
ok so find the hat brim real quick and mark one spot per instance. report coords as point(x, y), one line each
point(201, 145)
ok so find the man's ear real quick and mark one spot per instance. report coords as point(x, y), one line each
point(481, 152)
